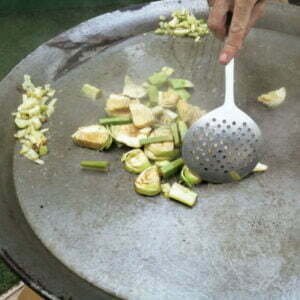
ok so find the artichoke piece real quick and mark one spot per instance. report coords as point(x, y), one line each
point(160, 78)
point(168, 117)
point(235, 176)
point(182, 194)
point(162, 163)
point(165, 188)
point(273, 98)
point(168, 155)
point(157, 112)
point(142, 115)
point(133, 90)
point(259, 168)
point(189, 178)
point(115, 121)
point(168, 99)
point(94, 137)
point(91, 91)
point(160, 149)
point(189, 113)
point(183, 94)
point(177, 83)
point(152, 92)
point(148, 182)
point(118, 106)
point(129, 135)
point(135, 161)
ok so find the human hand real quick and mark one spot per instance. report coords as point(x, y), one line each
point(245, 13)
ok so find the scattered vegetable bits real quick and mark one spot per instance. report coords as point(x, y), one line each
point(183, 24)
point(273, 98)
point(37, 106)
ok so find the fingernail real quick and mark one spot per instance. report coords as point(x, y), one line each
point(223, 58)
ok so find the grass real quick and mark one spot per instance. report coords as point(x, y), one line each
point(7, 278)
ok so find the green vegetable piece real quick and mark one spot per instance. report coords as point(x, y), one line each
point(182, 194)
point(99, 165)
point(135, 161)
point(43, 150)
point(115, 121)
point(177, 83)
point(160, 78)
point(155, 140)
point(152, 94)
point(189, 178)
point(148, 182)
point(165, 188)
point(235, 176)
point(162, 163)
point(175, 134)
point(182, 129)
point(172, 168)
point(91, 91)
point(183, 94)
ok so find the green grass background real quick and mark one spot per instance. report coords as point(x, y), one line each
point(24, 25)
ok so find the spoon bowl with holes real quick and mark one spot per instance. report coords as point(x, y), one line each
point(224, 145)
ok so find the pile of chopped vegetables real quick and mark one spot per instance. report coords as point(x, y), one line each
point(152, 118)
point(37, 106)
point(183, 24)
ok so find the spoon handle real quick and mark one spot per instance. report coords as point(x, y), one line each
point(229, 84)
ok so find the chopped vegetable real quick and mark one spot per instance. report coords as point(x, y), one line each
point(183, 94)
point(152, 92)
point(175, 134)
point(260, 168)
point(182, 129)
point(99, 165)
point(273, 98)
point(160, 78)
point(162, 163)
point(168, 117)
point(235, 175)
point(37, 106)
point(155, 139)
point(159, 149)
point(182, 194)
point(118, 106)
point(177, 83)
point(157, 111)
point(91, 91)
point(168, 99)
point(142, 115)
point(172, 168)
point(135, 161)
point(115, 121)
point(163, 155)
point(183, 24)
point(94, 137)
point(189, 178)
point(129, 135)
point(189, 113)
point(165, 188)
point(133, 90)
point(148, 182)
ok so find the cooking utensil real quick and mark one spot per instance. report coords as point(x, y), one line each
point(225, 144)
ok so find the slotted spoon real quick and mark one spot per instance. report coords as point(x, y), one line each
point(224, 145)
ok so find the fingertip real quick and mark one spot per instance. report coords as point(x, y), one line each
point(224, 58)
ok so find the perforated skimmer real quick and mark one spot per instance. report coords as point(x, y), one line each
point(225, 144)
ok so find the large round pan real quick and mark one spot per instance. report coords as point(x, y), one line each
point(77, 235)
